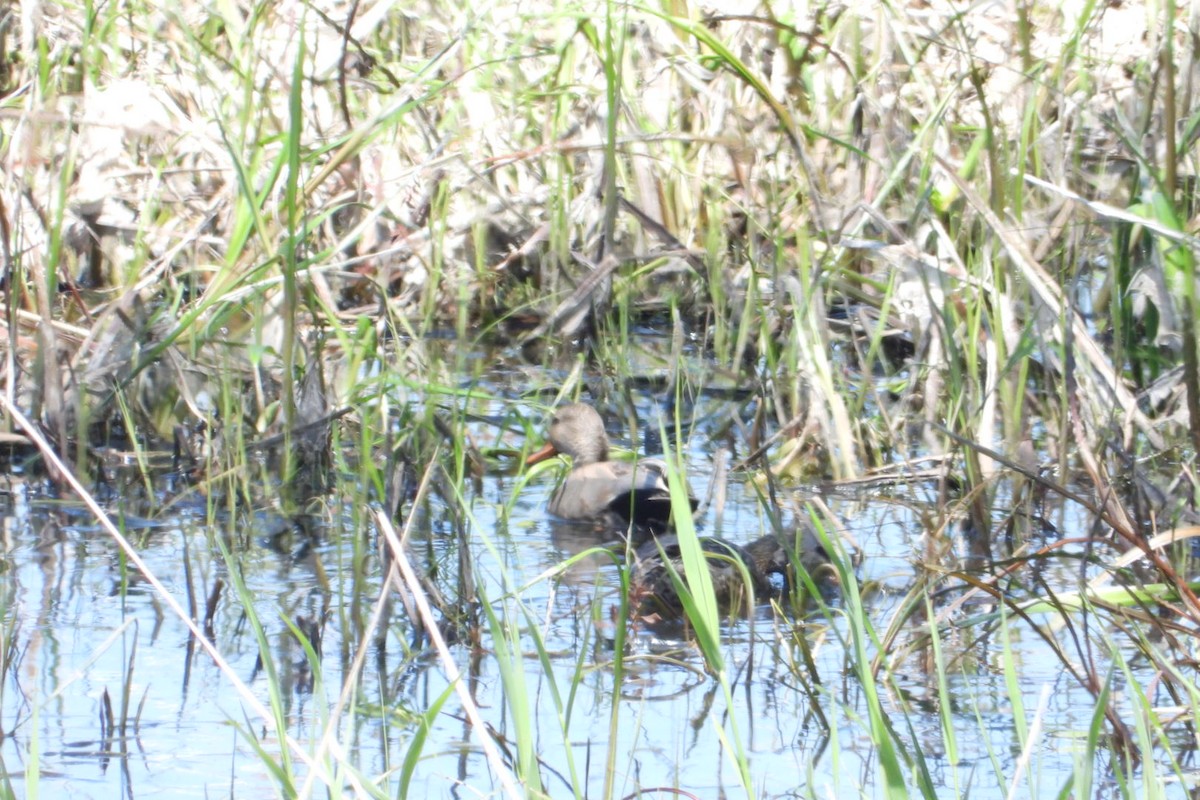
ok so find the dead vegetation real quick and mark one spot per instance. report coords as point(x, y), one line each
point(925, 231)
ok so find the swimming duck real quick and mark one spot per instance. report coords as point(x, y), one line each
point(614, 492)
point(654, 592)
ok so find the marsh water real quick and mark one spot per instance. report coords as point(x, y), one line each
point(84, 633)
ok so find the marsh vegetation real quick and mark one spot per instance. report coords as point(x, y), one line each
point(292, 288)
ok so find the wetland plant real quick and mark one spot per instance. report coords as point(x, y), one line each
point(317, 265)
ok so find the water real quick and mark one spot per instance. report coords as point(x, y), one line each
point(80, 626)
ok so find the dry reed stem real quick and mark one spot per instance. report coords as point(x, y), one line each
point(503, 774)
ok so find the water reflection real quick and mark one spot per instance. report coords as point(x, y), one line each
point(78, 626)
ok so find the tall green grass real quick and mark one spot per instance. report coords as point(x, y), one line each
point(827, 186)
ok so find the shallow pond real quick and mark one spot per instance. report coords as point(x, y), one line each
point(82, 631)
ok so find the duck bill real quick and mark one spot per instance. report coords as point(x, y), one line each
point(541, 455)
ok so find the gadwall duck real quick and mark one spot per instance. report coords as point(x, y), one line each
point(654, 593)
point(613, 492)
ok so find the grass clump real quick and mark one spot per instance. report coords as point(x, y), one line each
point(918, 245)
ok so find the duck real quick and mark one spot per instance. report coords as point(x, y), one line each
point(654, 592)
point(614, 493)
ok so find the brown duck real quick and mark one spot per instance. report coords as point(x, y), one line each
point(613, 492)
point(654, 592)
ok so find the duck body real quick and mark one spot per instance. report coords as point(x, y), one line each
point(762, 561)
point(613, 492)
point(655, 590)
point(630, 493)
